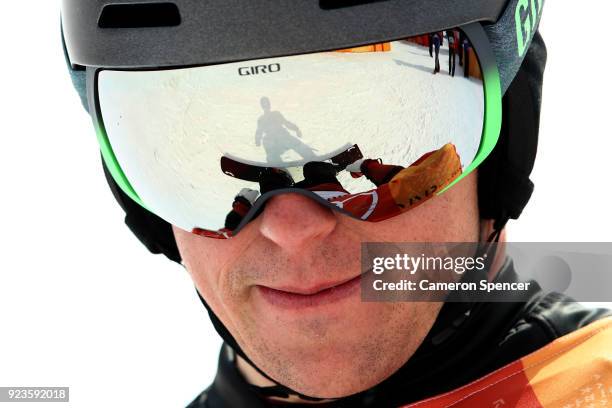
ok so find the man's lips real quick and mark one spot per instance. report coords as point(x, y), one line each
point(313, 290)
point(288, 297)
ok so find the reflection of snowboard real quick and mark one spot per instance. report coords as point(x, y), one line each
point(241, 171)
point(252, 173)
point(350, 155)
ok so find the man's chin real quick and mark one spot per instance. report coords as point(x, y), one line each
point(335, 379)
point(331, 368)
point(333, 356)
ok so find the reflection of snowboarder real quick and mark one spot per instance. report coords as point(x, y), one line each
point(437, 41)
point(397, 188)
point(460, 47)
point(272, 131)
point(452, 49)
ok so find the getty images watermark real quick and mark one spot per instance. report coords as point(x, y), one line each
point(468, 272)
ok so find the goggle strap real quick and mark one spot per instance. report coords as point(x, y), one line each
point(512, 34)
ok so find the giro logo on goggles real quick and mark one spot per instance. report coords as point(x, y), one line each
point(259, 69)
point(527, 15)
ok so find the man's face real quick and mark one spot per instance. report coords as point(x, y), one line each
point(268, 286)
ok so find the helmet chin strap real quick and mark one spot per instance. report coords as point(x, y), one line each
point(278, 390)
point(488, 248)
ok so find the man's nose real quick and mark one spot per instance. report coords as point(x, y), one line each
point(293, 221)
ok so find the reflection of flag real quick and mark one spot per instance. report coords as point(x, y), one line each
point(428, 175)
point(572, 371)
point(382, 47)
point(475, 71)
point(409, 188)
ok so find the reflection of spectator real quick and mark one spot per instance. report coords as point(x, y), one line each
point(460, 47)
point(452, 49)
point(466, 57)
point(437, 40)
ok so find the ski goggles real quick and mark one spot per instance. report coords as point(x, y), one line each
point(372, 131)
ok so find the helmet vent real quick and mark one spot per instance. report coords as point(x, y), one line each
point(139, 15)
point(336, 4)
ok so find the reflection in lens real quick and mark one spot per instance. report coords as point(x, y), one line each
point(278, 135)
point(373, 130)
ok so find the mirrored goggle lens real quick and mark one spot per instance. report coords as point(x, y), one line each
point(374, 131)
